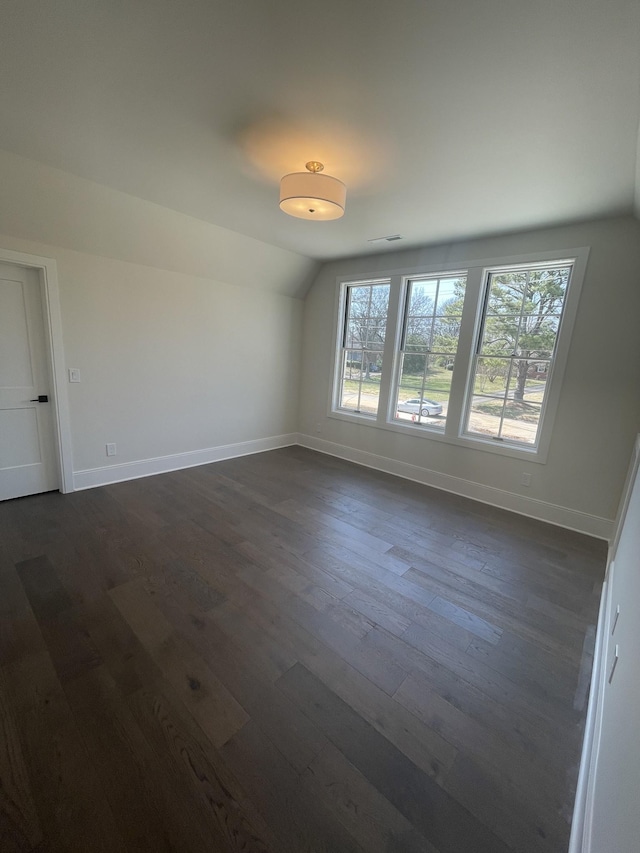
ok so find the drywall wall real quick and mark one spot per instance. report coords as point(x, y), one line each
point(612, 818)
point(187, 335)
point(599, 410)
point(51, 206)
point(170, 363)
point(636, 205)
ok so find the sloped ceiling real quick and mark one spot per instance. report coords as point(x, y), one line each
point(445, 119)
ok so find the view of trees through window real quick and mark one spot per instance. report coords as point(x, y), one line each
point(433, 314)
point(367, 306)
point(507, 369)
point(513, 358)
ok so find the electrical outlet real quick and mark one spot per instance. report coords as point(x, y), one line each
point(111, 449)
point(526, 479)
point(319, 426)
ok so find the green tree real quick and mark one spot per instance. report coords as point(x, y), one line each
point(491, 369)
point(522, 318)
point(414, 360)
point(447, 327)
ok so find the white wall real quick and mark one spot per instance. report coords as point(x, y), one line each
point(170, 363)
point(610, 820)
point(53, 207)
point(187, 335)
point(599, 410)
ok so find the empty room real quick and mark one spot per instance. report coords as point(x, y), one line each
point(319, 426)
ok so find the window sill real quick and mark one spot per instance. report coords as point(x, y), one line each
point(533, 455)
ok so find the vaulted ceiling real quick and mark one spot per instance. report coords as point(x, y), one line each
point(445, 119)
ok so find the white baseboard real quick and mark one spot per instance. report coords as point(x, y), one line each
point(561, 516)
point(92, 477)
point(570, 519)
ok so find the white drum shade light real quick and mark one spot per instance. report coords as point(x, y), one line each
point(310, 195)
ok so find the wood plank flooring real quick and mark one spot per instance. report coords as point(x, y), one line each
point(287, 652)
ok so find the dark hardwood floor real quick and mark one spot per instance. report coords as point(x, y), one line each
point(286, 652)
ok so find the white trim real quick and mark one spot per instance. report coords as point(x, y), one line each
point(457, 265)
point(425, 432)
point(47, 270)
point(570, 519)
point(92, 477)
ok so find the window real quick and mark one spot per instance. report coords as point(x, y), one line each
point(363, 338)
point(516, 344)
point(474, 356)
point(430, 332)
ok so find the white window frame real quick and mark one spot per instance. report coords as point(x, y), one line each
point(477, 273)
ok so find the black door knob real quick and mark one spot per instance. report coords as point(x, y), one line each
point(41, 399)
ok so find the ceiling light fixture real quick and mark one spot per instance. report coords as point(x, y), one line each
point(310, 195)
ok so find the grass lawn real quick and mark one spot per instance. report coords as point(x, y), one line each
point(527, 412)
point(513, 411)
point(436, 387)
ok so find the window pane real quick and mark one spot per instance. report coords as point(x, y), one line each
point(418, 334)
point(430, 334)
point(528, 381)
point(423, 391)
point(500, 335)
point(507, 399)
point(360, 382)
point(374, 333)
point(365, 329)
point(538, 335)
point(359, 300)
point(485, 417)
point(353, 334)
point(448, 294)
point(446, 331)
point(491, 376)
point(549, 285)
point(422, 297)
point(489, 397)
point(506, 293)
point(518, 338)
point(521, 424)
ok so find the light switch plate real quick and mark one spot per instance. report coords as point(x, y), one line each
point(74, 374)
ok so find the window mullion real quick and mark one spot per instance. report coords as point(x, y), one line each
point(390, 353)
point(464, 366)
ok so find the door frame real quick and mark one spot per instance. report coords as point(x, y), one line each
point(50, 297)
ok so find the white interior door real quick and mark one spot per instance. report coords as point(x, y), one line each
point(27, 446)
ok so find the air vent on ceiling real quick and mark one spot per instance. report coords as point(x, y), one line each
point(389, 239)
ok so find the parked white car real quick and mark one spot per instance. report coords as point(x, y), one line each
point(417, 406)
